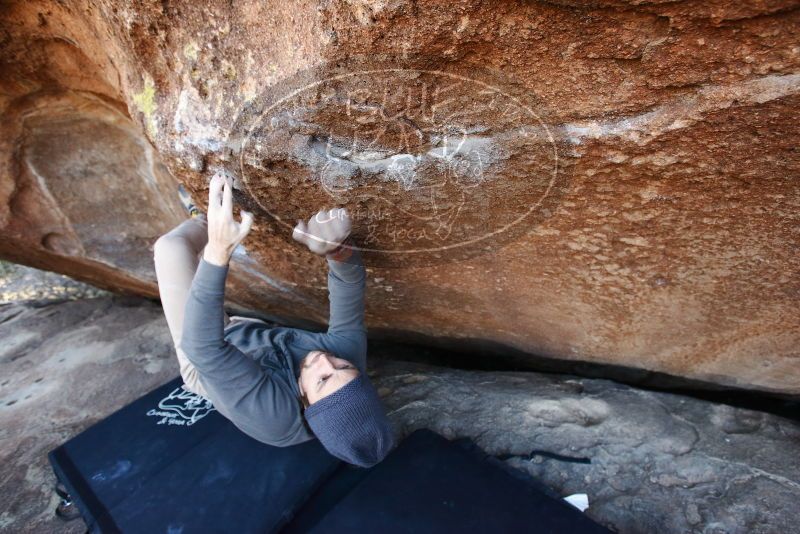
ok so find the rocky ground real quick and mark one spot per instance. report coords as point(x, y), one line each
point(19, 283)
point(660, 462)
point(66, 365)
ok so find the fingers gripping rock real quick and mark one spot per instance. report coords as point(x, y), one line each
point(325, 231)
point(224, 233)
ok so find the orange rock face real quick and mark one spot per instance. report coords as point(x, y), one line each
point(602, 181)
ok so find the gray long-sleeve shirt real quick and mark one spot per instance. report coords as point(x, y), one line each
point(249, 370)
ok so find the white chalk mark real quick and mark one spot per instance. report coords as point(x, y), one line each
point(683, 111)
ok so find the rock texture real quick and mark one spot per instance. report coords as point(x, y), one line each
point(65, 366)
point(606, 181)
point(19, 283)
point(660, 462)
point(83, 192)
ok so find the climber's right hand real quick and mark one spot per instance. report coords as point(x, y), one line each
point(224, 233)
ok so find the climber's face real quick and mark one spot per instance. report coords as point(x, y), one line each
point(322, 373)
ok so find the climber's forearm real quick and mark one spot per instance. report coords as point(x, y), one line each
point(202, 338)
point(346, 285)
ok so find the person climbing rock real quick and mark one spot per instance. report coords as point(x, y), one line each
point(280, 385)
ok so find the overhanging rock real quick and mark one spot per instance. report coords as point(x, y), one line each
point(606, 182)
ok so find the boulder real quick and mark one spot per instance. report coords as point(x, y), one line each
point(608, 182)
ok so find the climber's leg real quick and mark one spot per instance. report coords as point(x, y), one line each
point(176, 255)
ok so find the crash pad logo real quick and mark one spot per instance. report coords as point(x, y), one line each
point(182, 408)
point(432, 165)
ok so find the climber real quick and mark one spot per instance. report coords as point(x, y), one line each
point(279, 385)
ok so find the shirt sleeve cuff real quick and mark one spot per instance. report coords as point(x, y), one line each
point(211, 276)
point(348, 271)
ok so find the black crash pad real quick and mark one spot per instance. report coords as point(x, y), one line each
point(432, 485)
point(170, 463)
